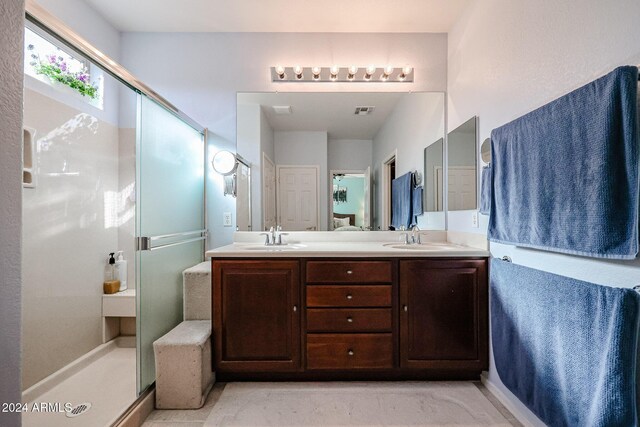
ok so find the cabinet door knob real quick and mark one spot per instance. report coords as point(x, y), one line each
point(295, 308)
point(350, 319)
point(350, 353)
point(349, 272)
point(404, 307)
point(349, 296)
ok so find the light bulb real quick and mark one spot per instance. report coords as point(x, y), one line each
point(334, 69)
point(388, 70)
point(298, 71)
point(406, 70)
point(280, 70)
point(316, 70)
point(371, 69)
point(353, 69)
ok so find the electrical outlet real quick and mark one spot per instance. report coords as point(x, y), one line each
point(226, 219)
point(474, 220)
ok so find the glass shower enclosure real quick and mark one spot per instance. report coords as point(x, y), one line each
point(170, 222)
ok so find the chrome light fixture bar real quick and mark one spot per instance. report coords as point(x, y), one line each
point(336, 74)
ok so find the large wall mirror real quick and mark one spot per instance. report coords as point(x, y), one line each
point(328, 160)
point(462, 167)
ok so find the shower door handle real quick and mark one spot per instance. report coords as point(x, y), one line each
point(147, 243)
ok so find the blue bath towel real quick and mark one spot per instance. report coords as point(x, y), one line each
point(485, 191)
point(565, 176)
point(401, 190)
point(566, 348)
point(416, 204)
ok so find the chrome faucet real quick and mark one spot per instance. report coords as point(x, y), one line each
point(274, 236)
point(415, 235)
point(412, 238)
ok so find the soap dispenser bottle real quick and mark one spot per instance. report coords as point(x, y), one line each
point(111, 283)
point(121, 267)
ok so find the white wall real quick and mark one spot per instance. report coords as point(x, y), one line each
point(507, 58)
point(349, 154)
point(84, 20)
point(416, 122)
point(201, 73)
point(11, 77)
point(306, 149)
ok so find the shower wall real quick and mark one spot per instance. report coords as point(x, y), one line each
point(72, 219)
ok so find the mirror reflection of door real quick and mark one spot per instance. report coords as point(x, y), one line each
point(297, 190)
point(433, 167)
point(243, 197)
point(268, 192)
point(350, 202)
point(462, 193)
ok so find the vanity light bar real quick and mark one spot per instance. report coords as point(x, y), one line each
point(352, 74)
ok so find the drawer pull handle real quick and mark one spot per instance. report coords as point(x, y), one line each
point(350, 353)
point(349, 296)
point(404, 307)
point(349, 272)
point(295, 308)
point(350, 319)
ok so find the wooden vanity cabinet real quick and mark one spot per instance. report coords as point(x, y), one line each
point(443, 316)
point(256, 315)
point(418, 318)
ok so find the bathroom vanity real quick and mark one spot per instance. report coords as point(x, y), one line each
point(349, 310)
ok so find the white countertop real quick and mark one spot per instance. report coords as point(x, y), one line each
point(251, 245)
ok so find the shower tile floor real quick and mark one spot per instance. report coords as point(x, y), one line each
point(109, 383)
point(342, 404)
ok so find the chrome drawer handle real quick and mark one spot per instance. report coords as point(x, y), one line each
point(349, 272)
point(295, 308)
point(404, 307)
point(349, 296)
point(350, 353)
point(350, 319)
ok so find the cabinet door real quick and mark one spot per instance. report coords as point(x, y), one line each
point(256, 316)
point(443, 314)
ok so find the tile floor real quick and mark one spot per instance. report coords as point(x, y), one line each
point(262, 404)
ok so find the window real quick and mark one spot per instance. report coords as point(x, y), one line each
point(48, 60)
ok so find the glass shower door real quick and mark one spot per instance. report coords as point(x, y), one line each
point(170, 223)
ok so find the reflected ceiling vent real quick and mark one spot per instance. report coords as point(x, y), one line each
point(364, 111)
point(282, 109)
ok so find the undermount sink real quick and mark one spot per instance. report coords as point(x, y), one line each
point(273, 248)
point(423, 246)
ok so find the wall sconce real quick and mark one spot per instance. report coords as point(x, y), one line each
point(351, 74)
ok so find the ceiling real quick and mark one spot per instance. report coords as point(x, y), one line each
point(392, 16)
point(326, 111)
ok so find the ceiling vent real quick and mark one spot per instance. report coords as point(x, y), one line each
point(282, 109)
point(364, 111)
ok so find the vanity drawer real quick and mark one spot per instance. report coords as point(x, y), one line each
point(348, 296)
point(349, 272)
point(349, 351)
point(349, 320)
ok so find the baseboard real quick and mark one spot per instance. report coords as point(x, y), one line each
point(505, 401)
point(138, 411)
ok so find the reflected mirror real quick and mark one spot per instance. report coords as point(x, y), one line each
point(433, 176)
point(485, 151)
point(327, 160)
point(462, 191)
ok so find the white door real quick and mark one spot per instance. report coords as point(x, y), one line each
point(367, 198)
point(298, 197)
point(462, 188)
point(268, 193)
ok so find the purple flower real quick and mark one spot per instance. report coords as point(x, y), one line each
point(52, 59)
point(63, 66)
point(82, 78)
point(30, 47)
